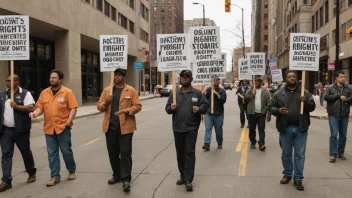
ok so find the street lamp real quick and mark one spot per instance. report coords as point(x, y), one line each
point(244, 45)
point(195, 3)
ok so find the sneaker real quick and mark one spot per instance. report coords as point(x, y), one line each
point(31, 178)
point(206, 147)
point(126, 186)
point(252, 146)
point(114, 180)
point(71, 176)
point(342, 156)
point(285, 180)
point(262, 147)
point(332, 159)
point(220, 147)
point(180, 181)
point(299, 186)
point(5, 186)
point(189, 186)
point(53, 181)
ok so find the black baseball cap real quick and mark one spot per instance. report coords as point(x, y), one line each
point(122, 71)
point(186, 72)
point(259, 78)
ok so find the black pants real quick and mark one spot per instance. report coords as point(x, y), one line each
point(185, 143)
point(8, 140)
point(243, 112)
point(255, 120)
point(120, 153)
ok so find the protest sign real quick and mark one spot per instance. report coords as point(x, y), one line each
point(173, 52)
point(276, 75)
point(113, 52)
point(304, 51)
point(273, 64)
point(14, 37)
point(244, 73)
point(257, 63)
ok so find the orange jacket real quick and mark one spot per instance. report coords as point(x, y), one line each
point(129, 99)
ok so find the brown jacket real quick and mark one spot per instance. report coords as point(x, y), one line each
point(129, 99)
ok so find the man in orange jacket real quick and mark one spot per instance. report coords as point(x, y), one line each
point(120, 107)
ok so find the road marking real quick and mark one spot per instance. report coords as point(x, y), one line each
point(91, 142)
point(240, 142)
point(243, 163)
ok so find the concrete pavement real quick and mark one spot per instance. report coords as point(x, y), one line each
point(235, 171)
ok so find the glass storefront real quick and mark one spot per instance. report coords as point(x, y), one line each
point(91, 76)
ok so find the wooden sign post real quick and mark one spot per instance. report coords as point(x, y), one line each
point(12, 68)
point(212, 95)
point(174, 88)
point(302, 89)
point(112, 82)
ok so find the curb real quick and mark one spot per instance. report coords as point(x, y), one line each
point(86, 115)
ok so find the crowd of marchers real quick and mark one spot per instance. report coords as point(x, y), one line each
point(120, 102)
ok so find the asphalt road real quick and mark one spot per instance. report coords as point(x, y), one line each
point(235, 171)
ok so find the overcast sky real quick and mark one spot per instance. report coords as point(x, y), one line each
point(215, 10)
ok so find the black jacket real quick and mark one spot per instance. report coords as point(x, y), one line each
point(336, 107)
point(279, 100)
point(218, 103)
point(241, 90)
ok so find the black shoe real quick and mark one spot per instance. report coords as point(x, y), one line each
point(252, 146)
point(126, 186)
point(5, 186)
point(206, 147)
point(262, 147)
point(299, 186)
point(219, 146)
point(180, 181)
point(114, 180)
point(189, 186)
point(31, 178)
point(285, 180)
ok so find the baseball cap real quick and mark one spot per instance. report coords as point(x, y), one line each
point(259, 78)
point(186, 72)
point(122, 71)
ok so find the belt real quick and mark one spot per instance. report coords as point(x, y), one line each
point(293, 125)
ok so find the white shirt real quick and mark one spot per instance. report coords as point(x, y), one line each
point(9, 120)
point(258, 102)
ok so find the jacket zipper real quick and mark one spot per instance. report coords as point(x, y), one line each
point(341, 102)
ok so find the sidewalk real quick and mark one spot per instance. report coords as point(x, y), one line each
point(90, 110)
point(320, 111)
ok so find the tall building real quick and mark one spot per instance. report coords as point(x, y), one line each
point(237, 54)
point(166, 18)
point(260, 22)
point(197, 22)
point(65, 35)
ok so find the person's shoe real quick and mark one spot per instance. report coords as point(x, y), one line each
point(332, 159)
point(180, 181)
point(299, 186)
point(5, 186)
point(262, 147)
point(285, 180)
point(242, 126)
point(114, 180)
point(219, 146)
point(31, 178)
point(252, 146)
point(53, 181)
point(189, 186)
point(71, 176)
point(206, 147)
point(342, 156)
point(126, 186)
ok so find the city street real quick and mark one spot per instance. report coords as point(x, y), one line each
point(235, 171)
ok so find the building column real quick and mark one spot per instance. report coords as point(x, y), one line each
point(133, 78)
point(4, 72)
point(68, 60)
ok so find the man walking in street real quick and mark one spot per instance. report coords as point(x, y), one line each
point(119, 123)
point(186, 117)
point(15, 128)
point(241, 92)
point(215, 119)
point(258, 99)
point(293, 127)
point(338, 97)
point(59, 105)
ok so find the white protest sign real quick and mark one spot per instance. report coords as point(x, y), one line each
point(113, 52)
point(14, 37)
point(304, 51)
point(222, 74)
point(257, 63)
point(276, 75)
point(173, 52)
point(244, 73)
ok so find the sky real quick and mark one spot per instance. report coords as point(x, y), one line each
point(215, 10)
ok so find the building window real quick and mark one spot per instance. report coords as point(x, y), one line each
point(100, 5)
point(333, 41)
point(131, 27)
point(316, 21)
point(162, 1)
point(144, 35)
point(163, 16)
point(162, 9)
point(90, 76)
point(132, 4)
point(321, 17)
point(155, 9)
point(170, 16)
point(327, 11)
point(113, 13)
point(349, 3)
point(144, 12)
point(265, 27)
point(155, 2)
point(154, 16)
point(265, 37)
point(265, 49)
point(170, 9)
point(305, 2)
point(107, 9)
point(123, 21)
point(343, 35)
point(266, 6)
point(169, 2)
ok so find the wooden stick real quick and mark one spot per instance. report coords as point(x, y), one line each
point(302, 89)
point(12, 81)
point(174, 87)
point(112, 82)
point(212, 96)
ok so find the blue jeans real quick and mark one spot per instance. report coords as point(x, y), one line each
point(338, 126)
point(217, 122)
point(295, 139)
point(62, 141)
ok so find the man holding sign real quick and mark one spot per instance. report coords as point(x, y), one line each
point(292, 126)
point(186, 114)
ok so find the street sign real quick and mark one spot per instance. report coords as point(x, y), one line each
point(138, 66)
point(331, 66)
point(273, 64)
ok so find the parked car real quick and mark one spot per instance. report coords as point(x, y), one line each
point(228, 85)
point(166, 90)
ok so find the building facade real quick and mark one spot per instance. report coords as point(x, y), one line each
point(260, 26)
point(237, 54)
point(197, 22)
point(65, 35)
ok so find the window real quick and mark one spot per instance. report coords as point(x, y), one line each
point(305, 2)
point(326, 11)
point(349, 3)
point(163, 16)
point(113, 13)
point(169, 2)
point(162, 1)
point(132, 4)
point(266, 6)
point(265, 37)
point(313, 24)
point(144, 12)
point(333, 37)
point(343, 35)
point(131, 27)
point(321, 17)
point(107, 9)
point(123, 21)
point(144, 36)
point(162, 9)
point(265, 49)
point(155, 2)
point(100, 5)
point(154, 16)
point(170, 9)
point(316, 21)
point(154, 9)
point(265, 27)
point(170, 16)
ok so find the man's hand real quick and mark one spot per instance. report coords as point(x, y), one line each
point(268, 118)
point(33, 115)
point(195, 109)
point(217, 94)
point(302, 98)
point(173, 106)
point(13, 105)
point(108, 99)
point(69, 124)
point(123, 111)
point(343, 98)
point(283, 110)
point(253, 93)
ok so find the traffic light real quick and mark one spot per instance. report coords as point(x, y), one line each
point(227, 5)
point(349, 32)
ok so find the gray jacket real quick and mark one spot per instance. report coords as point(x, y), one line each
point(250, 100)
